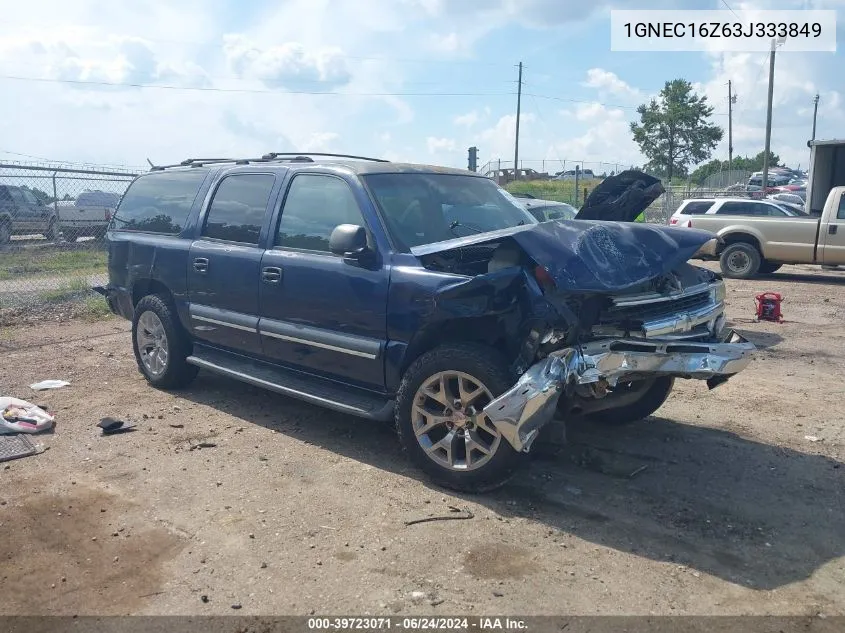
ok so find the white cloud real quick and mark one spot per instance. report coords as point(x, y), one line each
point(321, 142)
point(288, 62)
point(436, 145)
point(448, 43)
point(609, 83)
point(470, 119)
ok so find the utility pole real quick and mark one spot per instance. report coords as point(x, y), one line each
point(815, 112)
point(516, 140)
point(730, 130)
point(769, 117)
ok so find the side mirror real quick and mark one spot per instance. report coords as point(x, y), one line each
point(349, 240)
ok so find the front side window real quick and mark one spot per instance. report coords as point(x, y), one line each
point(740, 208)
point(237, 209)
point(314, 206)
point(425, 208)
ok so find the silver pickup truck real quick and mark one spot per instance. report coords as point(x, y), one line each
point(759, 236)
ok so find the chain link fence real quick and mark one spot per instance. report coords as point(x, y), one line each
point(53, 222)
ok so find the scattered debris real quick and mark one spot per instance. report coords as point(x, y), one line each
point(812, 438)
point(20, 416)
point(458, 514)
point(15, 447)
point(113, 426)
point(204, 598)
point(177, 426)
point(202, 445)
point(637, 471)
point(49, 384)
point(237, 605)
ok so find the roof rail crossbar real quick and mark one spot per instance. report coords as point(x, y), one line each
point(273, 155)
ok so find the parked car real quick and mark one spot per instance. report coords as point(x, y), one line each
point(87, 216)
point(544, 210)
point(22, 213)
point(418, 294)
point(759, 236)
point(584, 174)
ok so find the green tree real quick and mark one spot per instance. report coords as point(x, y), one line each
point(675, 131)
point(739, 163)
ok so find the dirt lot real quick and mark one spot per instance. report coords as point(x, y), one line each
point(295, 510)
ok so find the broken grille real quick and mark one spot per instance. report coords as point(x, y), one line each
point(657, 310)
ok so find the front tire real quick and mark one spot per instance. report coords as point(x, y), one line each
point(5, 233)
point(651, 400)
point(439, 419)
point(160, 344)
point(740, 260)
point(769, 267)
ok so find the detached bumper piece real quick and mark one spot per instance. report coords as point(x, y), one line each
point(520, 413)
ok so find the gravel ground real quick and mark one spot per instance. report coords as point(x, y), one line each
point(224, 496)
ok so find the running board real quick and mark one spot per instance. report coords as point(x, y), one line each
point(294, 384)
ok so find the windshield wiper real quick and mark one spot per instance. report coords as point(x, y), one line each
point(455, 224)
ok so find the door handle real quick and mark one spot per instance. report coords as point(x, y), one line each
point(201, 264)
point(271, 275)
point(832, 228)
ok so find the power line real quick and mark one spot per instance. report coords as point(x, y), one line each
point(724, 2)
point(116, 84)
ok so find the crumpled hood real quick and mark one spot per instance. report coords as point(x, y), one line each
point(622, 197)
point(593, 256)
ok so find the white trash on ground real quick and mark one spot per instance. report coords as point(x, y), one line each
point(20, 416)
point(49, 384)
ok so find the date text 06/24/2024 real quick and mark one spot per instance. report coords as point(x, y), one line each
point(416, 623)
point(723, 31)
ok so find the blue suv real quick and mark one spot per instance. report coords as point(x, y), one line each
point(424, 295)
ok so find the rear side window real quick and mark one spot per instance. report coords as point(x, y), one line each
point(840, 214)
point(237, 210)
point(741, 208)
point(159, 203)
point(697, 208)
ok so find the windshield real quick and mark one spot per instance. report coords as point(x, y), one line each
point(425, 208)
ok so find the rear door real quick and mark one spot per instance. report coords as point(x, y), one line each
point(225, 259)
point(320, 312)
point(833, 237)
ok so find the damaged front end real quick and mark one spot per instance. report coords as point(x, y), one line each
point(600, 311)
point(520, 413)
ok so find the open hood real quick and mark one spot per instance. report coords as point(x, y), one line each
point(622, 197)
point(591, 256)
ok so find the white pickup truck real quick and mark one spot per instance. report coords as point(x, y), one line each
point(756, 239)
point(87, 216)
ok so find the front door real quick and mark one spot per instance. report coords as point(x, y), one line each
point(224, 264)
point(833, 237)
point(320, 312)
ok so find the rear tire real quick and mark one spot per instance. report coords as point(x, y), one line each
point(5, 233)
point(740, 260)
point(71, 235)
point(650, 402)
point(477, 365)
point(769, 267)
point(161, 344)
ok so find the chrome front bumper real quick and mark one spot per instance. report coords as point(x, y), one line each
point(525, 408)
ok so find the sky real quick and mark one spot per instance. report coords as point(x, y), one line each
point(410, 80)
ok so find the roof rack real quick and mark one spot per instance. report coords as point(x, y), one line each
point(292, 157)
point(301, 155)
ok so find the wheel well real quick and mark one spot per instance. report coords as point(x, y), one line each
point(143, 287)
point(481, 330)
point(734, 238)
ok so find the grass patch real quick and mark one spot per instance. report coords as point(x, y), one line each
point(38, 262)
point(559, 190)
point(75, 289)
point(95, 308)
